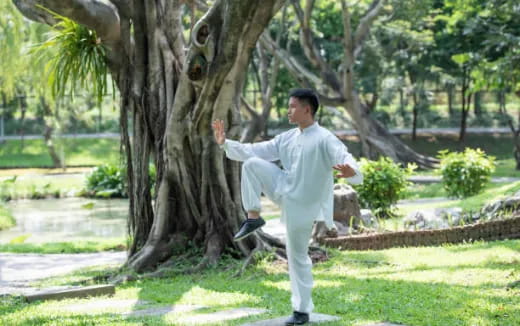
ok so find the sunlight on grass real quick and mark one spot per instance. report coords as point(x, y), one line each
point(465, 284)
point(79, 246)
point(76, 151)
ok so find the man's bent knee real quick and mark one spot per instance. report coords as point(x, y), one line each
point(252, 163)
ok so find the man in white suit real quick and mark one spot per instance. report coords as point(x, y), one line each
point(303, 188)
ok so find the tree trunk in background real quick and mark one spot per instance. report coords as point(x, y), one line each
point(449, 91)
point(465, 104)
point(4, 107)
point(477, 103)
point(171, 95)
point(22, 101)
point(414, 116)
point(47, 134)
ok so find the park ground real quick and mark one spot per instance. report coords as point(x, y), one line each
point(466, 284)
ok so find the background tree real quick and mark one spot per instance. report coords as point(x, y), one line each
point(265, 69)
point(22, 77)
point(171, 89)
point(336, 78)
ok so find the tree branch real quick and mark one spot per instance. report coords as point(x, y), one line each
point(249, 107)
point(309, 46)
point(303, 76)
point(365, 24)
point(348, 46)
point(99, 16)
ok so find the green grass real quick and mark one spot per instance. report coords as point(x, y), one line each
point(6, 219)
point(80, 246)
point(491, 192)
point(500, 146)
point(75, 150)
point(42, 186)
point(468, 284)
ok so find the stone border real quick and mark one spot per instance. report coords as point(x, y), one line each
point(493, 230)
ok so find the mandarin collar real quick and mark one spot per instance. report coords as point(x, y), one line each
point(309, 128)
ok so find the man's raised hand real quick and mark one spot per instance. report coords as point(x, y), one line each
point(218, 131)
point(345, 170)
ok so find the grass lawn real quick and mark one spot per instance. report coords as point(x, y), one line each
point(80, 246)
point(468, 284)
point(42, 186)
point(6, 219)
point(500, 146)
point(492, 192)
point(77, 151)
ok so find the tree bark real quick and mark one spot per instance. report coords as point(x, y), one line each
point(449, 92)
point(171, 96)
point(465, 104)
point(47, 116)
point(477, 103)
point(22, 102)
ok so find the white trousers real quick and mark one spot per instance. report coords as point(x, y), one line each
point(260, 176)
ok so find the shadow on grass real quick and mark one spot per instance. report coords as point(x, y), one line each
point(357, 299)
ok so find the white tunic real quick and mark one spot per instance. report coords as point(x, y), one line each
point(307, 157)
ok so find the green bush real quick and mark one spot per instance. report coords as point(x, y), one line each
point(107, 180)
point(465, 173)
point(384, 184)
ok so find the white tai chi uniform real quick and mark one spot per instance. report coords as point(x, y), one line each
point(303, 189)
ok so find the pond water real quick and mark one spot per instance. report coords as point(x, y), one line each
point(67, 219)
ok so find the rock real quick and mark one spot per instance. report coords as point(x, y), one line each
point(342, 229)
point(346, 205)
point(500, 207)
point(414, 220)
point(424, 220)
point(320, 231)
point(369, 219)
point(512, 203)
point(452, 215)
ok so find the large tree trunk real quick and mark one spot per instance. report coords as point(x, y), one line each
point(171, 97)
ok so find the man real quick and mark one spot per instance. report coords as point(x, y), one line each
point(303, 189)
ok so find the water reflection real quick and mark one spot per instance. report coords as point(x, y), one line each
point(66, 219)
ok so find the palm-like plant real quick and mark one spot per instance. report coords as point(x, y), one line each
point(78, 59)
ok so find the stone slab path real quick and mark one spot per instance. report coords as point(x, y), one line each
point(18, 270)
point(141, 308)
point(315, 318)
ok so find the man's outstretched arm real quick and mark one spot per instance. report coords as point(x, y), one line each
point(267, 150)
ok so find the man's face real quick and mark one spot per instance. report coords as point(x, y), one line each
point(297, 110)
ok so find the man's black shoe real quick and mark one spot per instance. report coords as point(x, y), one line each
point(298, 318)
point(249, 226)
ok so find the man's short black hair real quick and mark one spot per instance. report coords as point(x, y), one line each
point(307, 96)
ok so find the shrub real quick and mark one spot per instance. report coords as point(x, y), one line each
point(106, 180)
point(384, 184)
point(465, 173)
point(109, 180)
